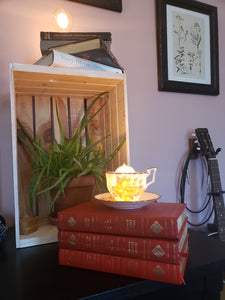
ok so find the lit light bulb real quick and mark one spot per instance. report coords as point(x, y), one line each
point(63, 19)
point(125, 169)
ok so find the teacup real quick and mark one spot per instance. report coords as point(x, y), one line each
point(129, 186)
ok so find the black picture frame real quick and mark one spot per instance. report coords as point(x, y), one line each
point(168, 23)
point(115, 5)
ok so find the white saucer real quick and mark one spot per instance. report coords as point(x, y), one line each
point(145, 199)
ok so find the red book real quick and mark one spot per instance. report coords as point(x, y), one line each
point(162, 250)
point(158, 219)
point(146, 269)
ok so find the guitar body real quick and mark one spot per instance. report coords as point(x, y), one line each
point(207, 150)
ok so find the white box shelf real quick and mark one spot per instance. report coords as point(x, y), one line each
point(32, 92)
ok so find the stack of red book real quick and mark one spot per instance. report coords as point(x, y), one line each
point(149, 243)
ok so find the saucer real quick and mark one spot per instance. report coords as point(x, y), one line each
point(145, 199)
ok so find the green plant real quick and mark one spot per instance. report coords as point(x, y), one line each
point(62, 161)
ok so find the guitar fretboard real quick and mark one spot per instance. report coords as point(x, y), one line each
point(217, 197)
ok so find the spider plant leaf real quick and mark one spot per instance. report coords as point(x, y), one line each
point(57, 182)
point(100, 178)
point(85, 120)
point(114, 153)
point(28, 136)
point(60, 190)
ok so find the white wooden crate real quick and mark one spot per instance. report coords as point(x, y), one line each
point(32, 89)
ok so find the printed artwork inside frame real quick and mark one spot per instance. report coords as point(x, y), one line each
point(187, 47)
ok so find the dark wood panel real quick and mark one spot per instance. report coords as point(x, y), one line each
point(115, 5)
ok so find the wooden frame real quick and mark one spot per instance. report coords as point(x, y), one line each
point(187, 40)
point(115, 5)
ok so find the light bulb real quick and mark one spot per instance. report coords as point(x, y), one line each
point(125, 169)
point(63, 19)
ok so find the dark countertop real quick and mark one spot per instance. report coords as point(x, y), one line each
point(34, 273)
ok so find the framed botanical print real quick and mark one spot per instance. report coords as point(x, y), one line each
point(187, 42)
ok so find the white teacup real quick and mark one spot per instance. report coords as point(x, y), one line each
point(129, 186)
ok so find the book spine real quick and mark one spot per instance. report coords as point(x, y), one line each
point(132, 267)
point(52, 39)
point(142, 248)
point(45, 45)
point(120, 224)
point(45, 35)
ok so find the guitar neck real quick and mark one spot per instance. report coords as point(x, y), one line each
point(217, 196)
point(214, 175)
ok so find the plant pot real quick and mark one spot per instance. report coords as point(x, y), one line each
point(74, 193)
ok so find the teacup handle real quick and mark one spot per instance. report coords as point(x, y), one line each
point(153, 175)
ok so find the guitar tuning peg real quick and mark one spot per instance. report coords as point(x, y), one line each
point(218, 150)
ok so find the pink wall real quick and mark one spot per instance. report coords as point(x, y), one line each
point(160, 122)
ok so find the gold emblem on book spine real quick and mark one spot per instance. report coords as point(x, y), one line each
point(158, 251)
point(71, 222)
point(156, 227)
point(72, 240)
point(159, 272)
